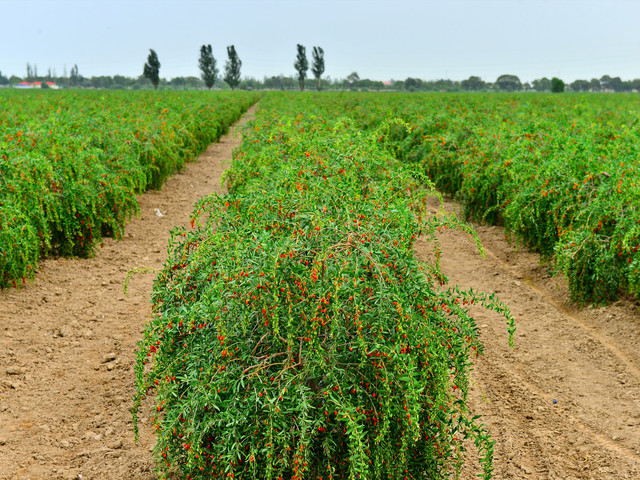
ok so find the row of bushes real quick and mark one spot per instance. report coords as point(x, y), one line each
point(71, 163)
point(559, 172)
point(294, 333)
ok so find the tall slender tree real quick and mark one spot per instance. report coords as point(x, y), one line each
point(232, 68)
point(207, 65)
point(318, 65)
point(74, 78)
point(152, 68)
point(301, 65)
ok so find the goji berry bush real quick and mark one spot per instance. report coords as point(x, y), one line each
point(71, 163)
point(560, 172)
point(295, 335)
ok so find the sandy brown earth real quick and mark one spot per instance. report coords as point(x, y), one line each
point(67, 350)
point(564, 403)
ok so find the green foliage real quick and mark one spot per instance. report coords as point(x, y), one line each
point(353, 79)
point(580, 86)
point(72, 163)
point(207, 65)
point(508, 83)
point(542, 84)
point(232, 68)
point(151, 69)
point(318, 65)
point(301, 65)
point(294, 333)
point(474, 84)
point(561, 174)
point(557, 85)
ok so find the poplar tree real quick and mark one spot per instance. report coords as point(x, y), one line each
point(318, 65)
point(301, 65)
point(207, 65)
point(232, 68)
point(152, 68)
point(74, 78)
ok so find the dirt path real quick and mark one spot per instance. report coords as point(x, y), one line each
point(565, 402)
point(67, 345)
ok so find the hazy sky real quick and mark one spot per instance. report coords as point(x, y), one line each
point(379, 39)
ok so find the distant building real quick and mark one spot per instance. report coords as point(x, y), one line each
point(37, 85)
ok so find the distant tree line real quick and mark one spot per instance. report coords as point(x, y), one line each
point(511, 83)
point(231, 78)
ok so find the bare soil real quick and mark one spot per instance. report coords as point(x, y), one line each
point(564, 403)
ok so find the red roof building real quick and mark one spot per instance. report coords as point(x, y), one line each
point(38, 85)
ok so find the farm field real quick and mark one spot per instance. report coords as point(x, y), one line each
point(560, 173)
point(67, 345)
point(563, 403)
point(72, 164)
